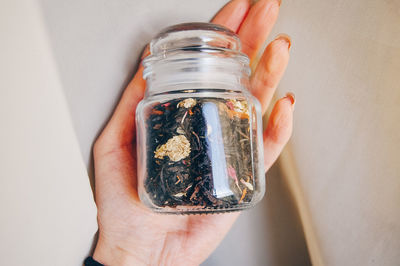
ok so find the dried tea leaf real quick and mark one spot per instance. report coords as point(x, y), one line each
point(176, 148)
point(187, 103)
point(194, 195)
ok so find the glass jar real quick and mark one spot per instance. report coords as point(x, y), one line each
point(199, 130)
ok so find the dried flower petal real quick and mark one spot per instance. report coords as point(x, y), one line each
point(176, 148)
point(243, 194)
point(156, 112)
point(239, 107)
point(232, 174)
point(180, 130)
point(183, 118)
point(180, 194)
point(247, 184)
point(157, 126)
point(230, 105)
point(179, 180)
point(187, 103)
point(186, 189)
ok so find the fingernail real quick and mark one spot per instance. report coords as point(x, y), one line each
point(248, 1)
point(279, 2)
point(291, 97)
point(146, 52)
point(286, 38)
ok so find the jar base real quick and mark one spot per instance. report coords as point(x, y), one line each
point(184, 210)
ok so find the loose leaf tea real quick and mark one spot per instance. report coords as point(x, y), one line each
point(200, 153)
point(199, 130)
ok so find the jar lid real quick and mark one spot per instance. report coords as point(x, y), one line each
point(193, 52)
point(195, 35)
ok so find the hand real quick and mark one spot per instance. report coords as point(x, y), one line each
point(131, 234)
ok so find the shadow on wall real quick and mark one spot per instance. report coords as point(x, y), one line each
point(269, 234)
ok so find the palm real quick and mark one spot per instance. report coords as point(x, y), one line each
point(131, 233)
point(179, 238)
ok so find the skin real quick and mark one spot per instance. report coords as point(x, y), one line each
point(129, 233)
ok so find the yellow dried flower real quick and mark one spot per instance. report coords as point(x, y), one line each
point(240, 106)
point(176, 148)
point(187, 103)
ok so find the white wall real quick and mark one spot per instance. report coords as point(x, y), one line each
point(47, 209)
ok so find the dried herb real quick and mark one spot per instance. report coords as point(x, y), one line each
point(200, 154)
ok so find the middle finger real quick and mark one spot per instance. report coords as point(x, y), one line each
point(255, 28)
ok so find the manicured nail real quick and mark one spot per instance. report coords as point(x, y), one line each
point(286, 38)
point(146, 52)
point(291, 97)
point(248, 1)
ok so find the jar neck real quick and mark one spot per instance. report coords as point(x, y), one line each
point(196, 69)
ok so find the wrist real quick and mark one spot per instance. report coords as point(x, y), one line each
point(114, 255)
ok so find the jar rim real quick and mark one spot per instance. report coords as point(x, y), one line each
point(195, 34)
